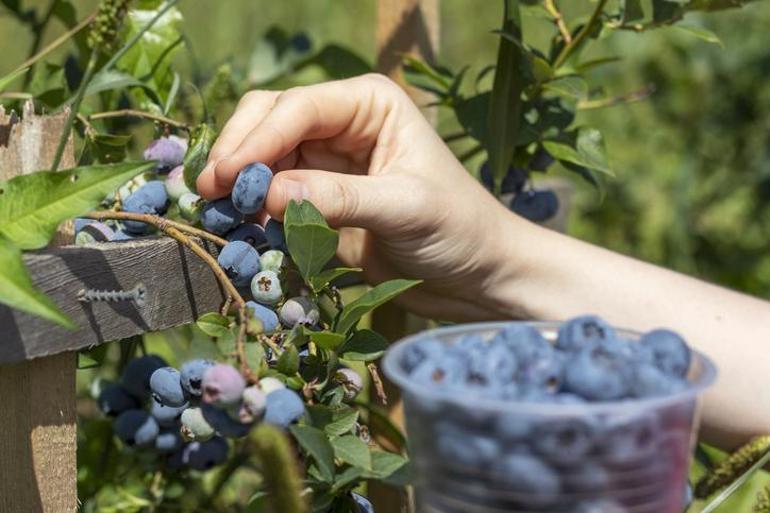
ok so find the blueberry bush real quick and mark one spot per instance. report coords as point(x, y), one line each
point(258, 406)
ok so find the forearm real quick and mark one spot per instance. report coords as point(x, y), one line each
point(557, 277)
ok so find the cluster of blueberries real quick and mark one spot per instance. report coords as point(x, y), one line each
point(624, 457)
point(186, 414)
point(537, 205)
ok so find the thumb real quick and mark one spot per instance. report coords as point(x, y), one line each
point(344, 200)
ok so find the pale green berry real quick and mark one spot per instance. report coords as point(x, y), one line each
point(253, 404)
point(272, 260)
point(190, 206)
point(175, 186)
point(266, 288)
point(269, 384)
point(195, 427)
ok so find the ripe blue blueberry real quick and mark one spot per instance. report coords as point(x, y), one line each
point(527, 475)
point(598, 374)
point(223, 385)
point(136, 205)
point(567, 440)
point(168, 152)
point(136, 374)
point(650, 381)
point(514, 179)
point(154, 195)
point(275, 235)
point(266, 316)
point(581, 331)
point(541, 160)
point(168, 441)
point(175, 186)
point(192, 376)
point(81, 222)
point(629, 438)
point(166, 387)
point(272, 260)
point(206, 455)
point(249, 233)
point(299, 310)
point(223, 423)
point(536, 205)
point(544, 369)
point(240, 262)
point(190, 206)
point(458, 447)
point(266, 288)
point(447, 371)
point(586, 477)
point(250, 189)
point(136, 428)
point(167, 416)
point(124, 235)
point(362, 503)
point(283, 408)
point(494, 365)
point(670, 352)
point(94, 232)
point(220, 216)
point(415, 354)
point(195, 427)
point(114, 400)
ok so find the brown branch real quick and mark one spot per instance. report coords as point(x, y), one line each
point(240, 348)
point(159, 222)
point(377, 382)
point(632, 97)
point(553, 10)
point(132, 113)
point(584, 32)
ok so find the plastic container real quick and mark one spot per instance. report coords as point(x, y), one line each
point(473, 454)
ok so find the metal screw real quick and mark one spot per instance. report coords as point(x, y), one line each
point(137, 295)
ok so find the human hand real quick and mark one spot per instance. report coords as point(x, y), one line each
point(364, 155)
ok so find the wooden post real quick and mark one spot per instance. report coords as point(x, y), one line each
point(38, 430)
point(403, 27)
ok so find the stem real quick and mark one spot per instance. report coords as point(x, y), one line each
point(377, 382)
point(74, 108)
point(158, 222)
point(240, 349)
point(139, 114)
point(39, 29)
point(553, 10)
point(580, 37)
point(632, 97)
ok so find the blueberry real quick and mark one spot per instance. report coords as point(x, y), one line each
point(581, 331)
point(544, 369)
point(598, 374)
point(240, 262)
point(536, 205)
point(541, 160)
point(168, 441)
point(223, 385)
point(524, 341)
point(192, 375)
point(167, 416)
point(175, 186)
point(223, 423)
point(136, 428)
point(114, 400)
point(670, 352)
point(447, 371)
point(269, 384)
point(136, 375)
point(629, 438)
point(527, 475)
point(167, 151)
point(80, 222)
point(415, 354)
point(195, 427)
point(650, 381)
point(94, 232)
point(136, 205)
point(253, 404)
point(154, 195)
point(512, 427)
point(266, 316)
point(275, 235)
point(564, 440)
point(495, 365)
point(459, 447)
point(272, 260)
point(362, 503)
point(220, 216)
point(190, 206)
point(124, 235)
point(350, 381)
point(166, 386)
point(249, 233)
point(586, 477)
point(266, 288)
point(513, 181)
point(299, 310)
point(600, 506)
point(206, 455)
point(283, 407)
point(250, 189)
point(301, 43)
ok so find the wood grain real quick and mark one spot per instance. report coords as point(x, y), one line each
point(179, 288)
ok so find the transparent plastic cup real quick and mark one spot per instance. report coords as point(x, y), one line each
point(476, 455)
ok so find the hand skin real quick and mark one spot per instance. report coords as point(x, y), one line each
point(362, 152)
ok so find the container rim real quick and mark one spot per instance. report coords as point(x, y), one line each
point(705, 377)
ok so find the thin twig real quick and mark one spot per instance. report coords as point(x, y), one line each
point(226, 306)
point(16, 96)
point(39, 29)
point(157, 221)
point(553, 10)
point(240, 347)
point(632, 97)
point(578, 40)
point(377, 382)
point(269, 342)
point(132, 113)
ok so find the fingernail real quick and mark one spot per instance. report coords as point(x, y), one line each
point(296, 191)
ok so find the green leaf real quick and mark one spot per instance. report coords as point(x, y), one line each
point(315, 443)
point(377, 296)
point(321, 280)
point(334, 421)
point(666, 11)
point(201, 141)
point(353, 451)
point(33, 205)
point(213, 324)
point(385, 464)
point(571, 86)
point(17, 290)
point(701, 33)
point(310, 241)
point(255, 356)
point(364, 345)
point(288, 362)
point(632, 11)
point(108, 148)
point(111, 80)
point(595, 63)
point(337, 62)
point(504, 112)
point(325, 339)
point(588, 150)
point(9, 78)
point(346, 478)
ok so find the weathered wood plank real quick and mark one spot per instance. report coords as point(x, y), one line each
point(179, 287)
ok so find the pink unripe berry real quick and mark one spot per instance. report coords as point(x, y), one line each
point(223, 385)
